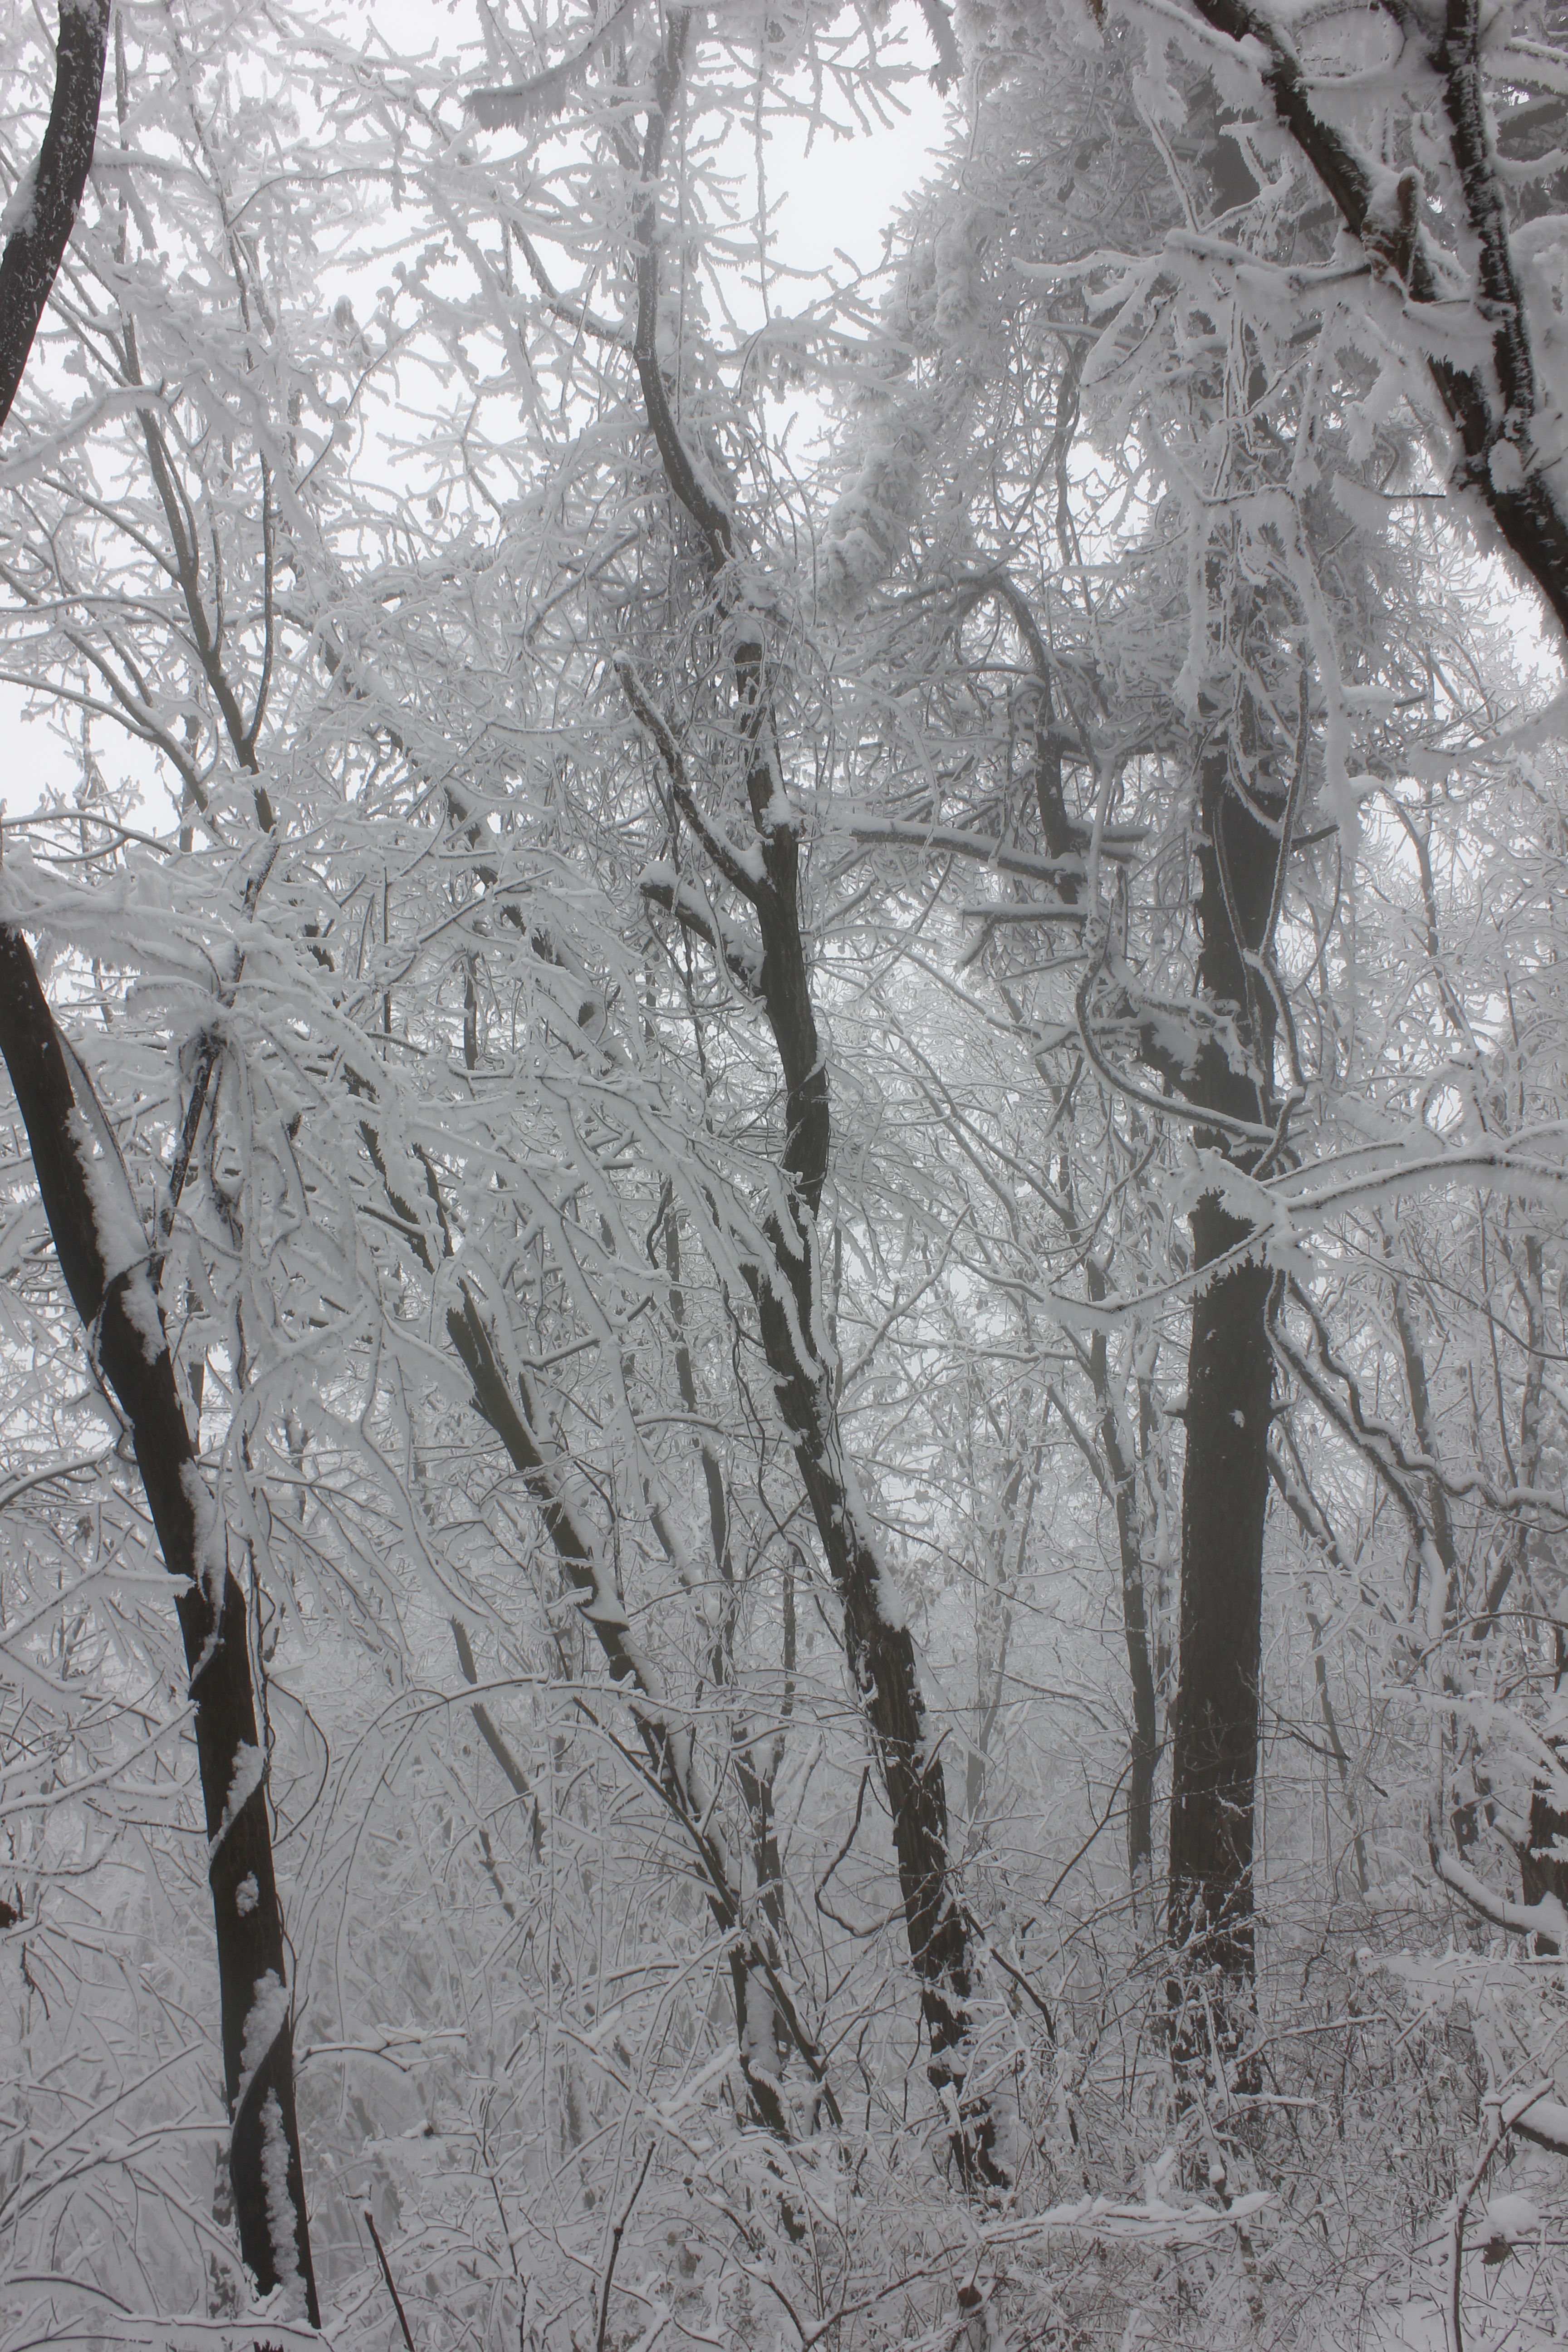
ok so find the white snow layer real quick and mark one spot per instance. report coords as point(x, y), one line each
point(120, 1236)
point(16, 220)
point(279, 2208)
point(249, 1766)
point(1511, 2218)
point(269, 2015)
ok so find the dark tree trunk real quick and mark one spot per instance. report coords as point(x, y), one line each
point(1543, 1857)
point(1214, 1718)
point(1144, 1745)
point(93, 1217)
point(764, 2043)
point(35, 249)
point(788, 1288)
point(789, 1298)
point(91, 1213)
point(882, 1663)
point(1213, 1722)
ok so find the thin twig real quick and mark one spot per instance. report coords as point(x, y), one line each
point(391, 2289)
point(1494, 2141)
point(615, 2250)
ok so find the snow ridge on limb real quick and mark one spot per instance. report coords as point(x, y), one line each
point(90, 1210)
point(1534, 2116)
point(1547, 1917)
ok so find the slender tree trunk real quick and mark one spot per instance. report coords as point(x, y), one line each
point(1144, 1754)
point(102, 1251)
point(882, 1663)
point(788, 1286)
point(763, 2042)
point(1064, 839)
point(995, 1632)
point(788, 1291)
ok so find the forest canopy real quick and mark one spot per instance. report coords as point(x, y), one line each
point(783, 1544)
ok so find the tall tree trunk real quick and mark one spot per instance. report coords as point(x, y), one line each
point(788, 1288)
point(101, 1246)
point(1213, 1722)
point(103, 1254)
point(788, 1291)
point(1116, 1471)
point(1224, 1492)
point(994, 1631)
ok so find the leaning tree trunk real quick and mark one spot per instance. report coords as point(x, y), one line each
point(764, 2050)
point(766, 2010)
point(36, 245)
point(101, 1246)
point(103, 1255)
point(788, 1291)
point(788, 1286)
point(1224, 1489)
point(765, 2006)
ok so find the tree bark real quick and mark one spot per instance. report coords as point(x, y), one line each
point(764, 2044)
point(102, 1251)
point(789, 1301)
